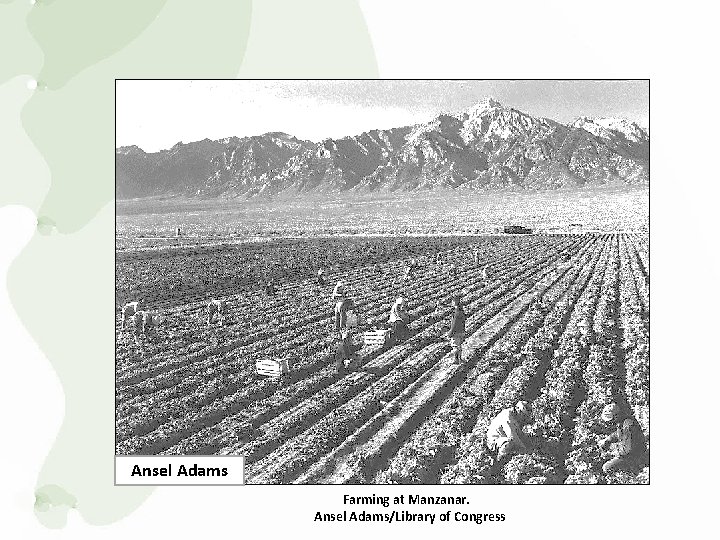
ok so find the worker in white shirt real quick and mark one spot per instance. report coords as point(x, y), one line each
point(399, 319)
point(504, 435)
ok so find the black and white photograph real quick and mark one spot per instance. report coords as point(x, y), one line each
point(385, 281)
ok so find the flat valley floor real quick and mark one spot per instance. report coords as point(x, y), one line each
point(153, 222)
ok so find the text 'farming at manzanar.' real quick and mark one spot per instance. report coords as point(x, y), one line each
point(400, 516)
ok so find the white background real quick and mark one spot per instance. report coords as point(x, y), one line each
point(669, 43)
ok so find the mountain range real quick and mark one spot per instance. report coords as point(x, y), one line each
point(487, 147)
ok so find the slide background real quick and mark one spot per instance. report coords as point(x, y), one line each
point(59, 62)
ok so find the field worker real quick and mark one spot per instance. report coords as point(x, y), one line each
point(453, 270)
point(342, 307)
point(339, 291)
point(456, 334)
point(216, 307)
point(321, 277)
point(270, 287)
point(476, 256)
point(485, 272)
point(128, 310)
point(410, 269)
point(438, 259)
point(346, 352)
point(630, 450)
point(504, 435)
point(399, 319)
point(146, 323)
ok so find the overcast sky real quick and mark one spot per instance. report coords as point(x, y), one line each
point(157, 114)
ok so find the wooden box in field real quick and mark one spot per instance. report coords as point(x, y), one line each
point(376, 337)
point(272, 368)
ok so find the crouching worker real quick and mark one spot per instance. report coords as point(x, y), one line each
point(128, 311)
point(504, 435)
point(346, 352)
point(216, 308)
point(146, 323)
point(399, 319)
point(270, 287)
point(630, 449)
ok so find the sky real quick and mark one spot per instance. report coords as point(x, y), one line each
point(156, 114)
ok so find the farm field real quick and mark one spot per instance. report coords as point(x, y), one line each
point(562, 322)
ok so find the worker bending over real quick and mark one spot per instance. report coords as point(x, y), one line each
point(216, 308)
point(321, 277)
point(630, 451)
point(399, 319)
point(504, 434)
point(411, 267)
point(146, 323)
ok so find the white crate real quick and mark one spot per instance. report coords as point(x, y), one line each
point(376, 337)
point(272, 368)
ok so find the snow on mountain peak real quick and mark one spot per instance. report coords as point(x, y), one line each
point(606, 126)
point(129, 150)
point(631, 130)
point(483, 105)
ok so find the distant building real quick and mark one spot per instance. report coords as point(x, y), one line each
point(516, 229)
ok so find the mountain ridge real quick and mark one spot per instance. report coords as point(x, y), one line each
point(486, 147)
